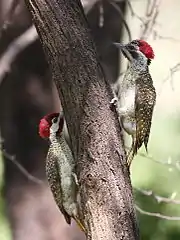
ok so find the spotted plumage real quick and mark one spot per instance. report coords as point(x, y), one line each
point(145, 98)
point(60, 168)
point(137, 96)
point(54, 176)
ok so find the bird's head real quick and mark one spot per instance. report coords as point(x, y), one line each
point(51, 123)
point(137, 50)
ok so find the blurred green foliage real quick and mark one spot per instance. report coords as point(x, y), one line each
point(160, 178)
point(146, 174)
point(4, 227)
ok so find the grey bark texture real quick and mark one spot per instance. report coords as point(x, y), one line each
point(105, 188)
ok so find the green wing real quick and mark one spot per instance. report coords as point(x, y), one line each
point(145, 99)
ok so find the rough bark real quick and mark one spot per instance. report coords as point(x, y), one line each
point(107, 201)
point(27, 89)
point(25, 96)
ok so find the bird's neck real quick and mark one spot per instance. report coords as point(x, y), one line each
point(140, 64)
point(54, 138)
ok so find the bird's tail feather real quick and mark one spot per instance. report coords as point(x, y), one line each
point(132, 152)
point(80, 224)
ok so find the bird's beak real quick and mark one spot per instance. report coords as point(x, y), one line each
point(124, 50)
point(119, 45)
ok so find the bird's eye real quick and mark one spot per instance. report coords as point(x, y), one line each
point(131, 47)
point(54, 120)
point(134, 42)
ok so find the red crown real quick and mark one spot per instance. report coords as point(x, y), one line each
point(45, 124)
point(145, 48)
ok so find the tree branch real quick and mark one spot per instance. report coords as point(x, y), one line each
point(158, 198)
point(118, 9)
point(29, 176)
point(159, 215)
point(169, 163)
point(172, 165)
point(88, 5)
point(9, 15)
point(152, 12)
point(148, 193)
point(172, 71)
point(105, 189)
point(20, 43)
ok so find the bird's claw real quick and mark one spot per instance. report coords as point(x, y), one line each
point(114, 101)
point(75, 178)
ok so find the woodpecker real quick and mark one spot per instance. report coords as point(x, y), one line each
point(136, 97)
point(60, 167)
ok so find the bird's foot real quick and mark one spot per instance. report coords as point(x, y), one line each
point(75, 178)
point(114, 101)
point(122, 111)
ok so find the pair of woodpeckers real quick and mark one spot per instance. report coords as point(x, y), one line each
point(134, 103)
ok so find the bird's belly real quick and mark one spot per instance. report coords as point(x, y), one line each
point(128, 101)
point(69, 195)
point(67, 184)
point(129, 125)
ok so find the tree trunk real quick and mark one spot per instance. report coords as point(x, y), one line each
point(106, 193)
point(26, 96)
